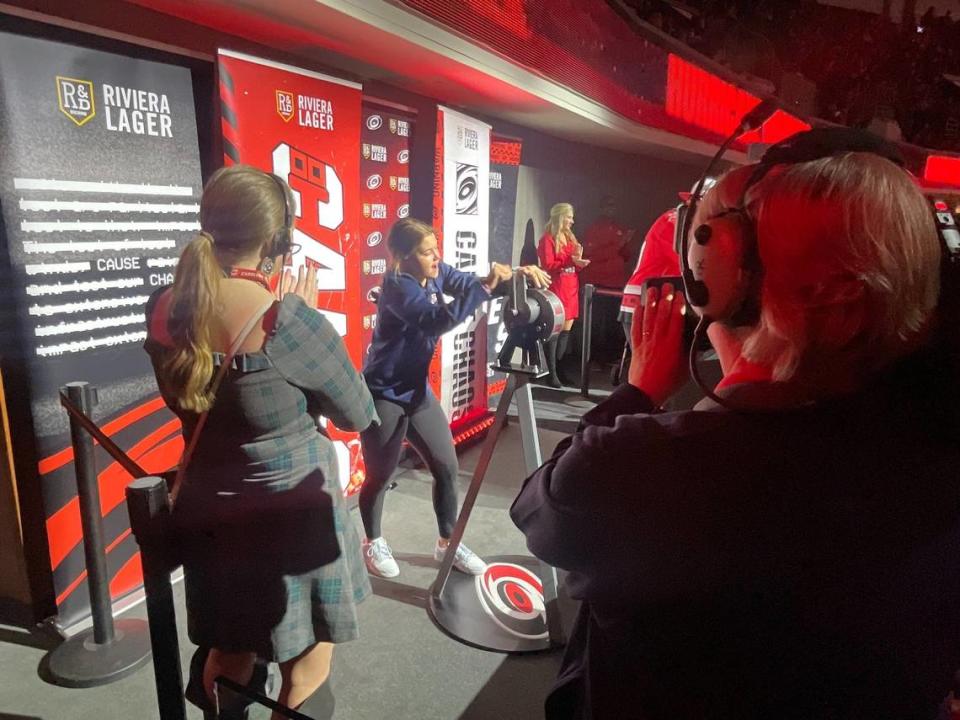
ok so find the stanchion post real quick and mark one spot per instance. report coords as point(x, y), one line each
point(112, 650)
point(84, 396)
point(149, 509)
point(588, 291)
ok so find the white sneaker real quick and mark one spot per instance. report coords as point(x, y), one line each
point(466, 560)
point(379, 559)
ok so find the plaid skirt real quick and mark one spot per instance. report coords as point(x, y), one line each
point(273, 585)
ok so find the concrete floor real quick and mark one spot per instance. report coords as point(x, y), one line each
point(402, 667)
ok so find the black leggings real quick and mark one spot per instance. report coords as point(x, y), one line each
point(428, 431)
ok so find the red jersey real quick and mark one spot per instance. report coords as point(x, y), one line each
point(657, 258)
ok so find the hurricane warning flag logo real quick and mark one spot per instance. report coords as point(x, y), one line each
point(75, 98)
point(512, 597)
point(285, 105)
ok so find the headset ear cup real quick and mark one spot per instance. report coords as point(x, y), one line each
point(281, 242)
point(718, 264)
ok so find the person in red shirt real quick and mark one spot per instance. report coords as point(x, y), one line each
point(562, 257)
point(607, 244)
point(659, 257)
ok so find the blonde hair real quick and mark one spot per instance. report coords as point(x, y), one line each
point(242, 209)
point(850, 260)
point(404, 238)
point(555, 225)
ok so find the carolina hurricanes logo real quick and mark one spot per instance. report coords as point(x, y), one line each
point(374, 122)
point(513, 598)
point(374, 181)
point(403, 211)
point(403, 157)
point(374, 238)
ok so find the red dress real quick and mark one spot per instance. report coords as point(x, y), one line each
point(563, 273)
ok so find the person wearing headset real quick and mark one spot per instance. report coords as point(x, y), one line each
point(271, 560)
point(412, 313)
point(791, 547)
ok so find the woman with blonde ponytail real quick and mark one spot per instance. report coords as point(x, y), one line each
point(272, 562)
point(562, 256)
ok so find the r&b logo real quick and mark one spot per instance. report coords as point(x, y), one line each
point(285, 105)
point(75, 98)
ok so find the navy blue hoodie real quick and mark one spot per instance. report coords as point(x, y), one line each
point(410, 319)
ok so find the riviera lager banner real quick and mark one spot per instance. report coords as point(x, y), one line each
point(305, 127)
point(99, 185)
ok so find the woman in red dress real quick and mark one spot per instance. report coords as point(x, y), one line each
point(562, 257)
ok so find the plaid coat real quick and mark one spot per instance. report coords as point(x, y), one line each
point(271, 559)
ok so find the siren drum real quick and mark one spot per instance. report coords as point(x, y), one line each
point(540, 311)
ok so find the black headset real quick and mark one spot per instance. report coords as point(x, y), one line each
point(722, 269)
point(283, 239)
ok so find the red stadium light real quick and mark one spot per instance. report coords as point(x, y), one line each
point(942, 170)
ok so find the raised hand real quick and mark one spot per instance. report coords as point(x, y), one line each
point(305, 286)
point(658, 366)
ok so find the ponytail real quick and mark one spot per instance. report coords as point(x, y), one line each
point(188, 369)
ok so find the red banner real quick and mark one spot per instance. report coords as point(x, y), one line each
point(305, 128)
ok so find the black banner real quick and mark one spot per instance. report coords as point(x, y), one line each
point(504, 169)
point(100, 185)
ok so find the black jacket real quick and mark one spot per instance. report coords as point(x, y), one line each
point(410, 320)
point(801, 563)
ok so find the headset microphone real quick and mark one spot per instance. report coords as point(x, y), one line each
point(720, 237)
point(696, 290)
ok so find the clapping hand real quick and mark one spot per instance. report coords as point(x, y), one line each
point(657, 367)
point(578, 259)
point(304, 287)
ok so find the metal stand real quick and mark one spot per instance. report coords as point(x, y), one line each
point(587, 335)
point(109, 651)
point(510, 607)
point(148, 505)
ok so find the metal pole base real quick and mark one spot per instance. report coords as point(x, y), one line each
point(82, 663)
point(502, 610)
point(512, 606)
